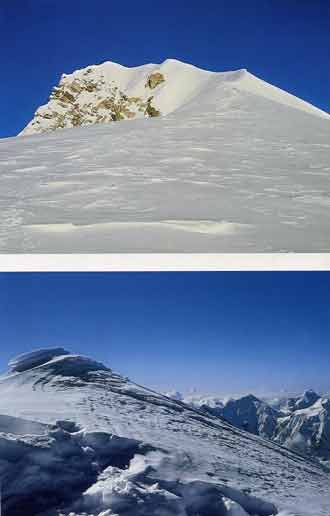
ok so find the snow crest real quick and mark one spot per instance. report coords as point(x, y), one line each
point(111, 92)
point(35, 358)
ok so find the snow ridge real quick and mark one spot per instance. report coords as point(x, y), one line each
point(29, 360)
point(111, 92)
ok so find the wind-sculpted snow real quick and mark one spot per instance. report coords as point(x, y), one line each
point(35, 358)
point(142, 490)
point(239, 166)
point(41, 471)
point(115, 447)
point(97, 473)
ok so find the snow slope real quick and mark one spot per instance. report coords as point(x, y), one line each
point(234, 165)
point(98, 444)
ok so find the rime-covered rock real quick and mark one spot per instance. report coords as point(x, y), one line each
point(154, 80)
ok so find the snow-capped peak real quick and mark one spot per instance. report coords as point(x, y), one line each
point(35, 358)
point(55, 362)
point(112, 92)
point(308, 399)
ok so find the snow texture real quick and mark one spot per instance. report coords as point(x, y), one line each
point(77, 439)
point(232, 165)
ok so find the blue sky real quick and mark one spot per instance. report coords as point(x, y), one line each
point(286, 42)
point(219, 332)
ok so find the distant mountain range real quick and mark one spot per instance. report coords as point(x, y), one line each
point(301, 423)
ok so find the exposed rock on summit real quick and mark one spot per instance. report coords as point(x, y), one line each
point(98, 94)
point(110, 92)
point(154, 80)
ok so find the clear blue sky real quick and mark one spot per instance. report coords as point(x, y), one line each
point(286, 42)
point(219, 332)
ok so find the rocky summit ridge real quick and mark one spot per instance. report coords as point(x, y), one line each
point(90, 96)
point(110, 92)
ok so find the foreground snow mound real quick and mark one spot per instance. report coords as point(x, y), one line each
point(35, 358)
point(95, 473)
point(40, 471)
point(141, 490)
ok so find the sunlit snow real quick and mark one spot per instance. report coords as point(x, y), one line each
point(234, 165)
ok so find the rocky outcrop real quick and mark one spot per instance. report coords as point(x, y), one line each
point(154, 80)
point(90, 97)
point(151, 111)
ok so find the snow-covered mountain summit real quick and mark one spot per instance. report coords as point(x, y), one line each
point(232, 165)
point(30, 360)
point(111, 92)
point(76, 438)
